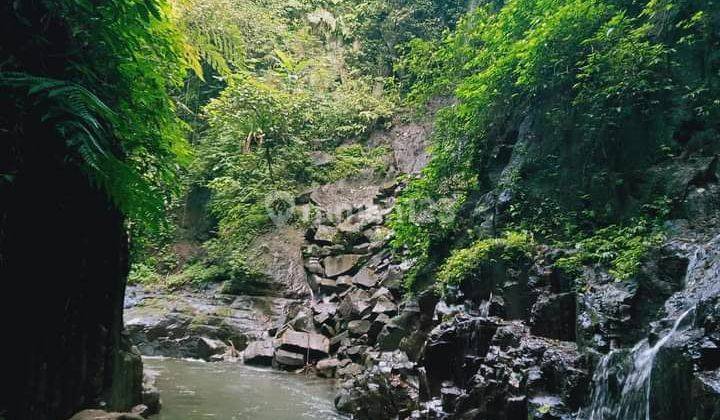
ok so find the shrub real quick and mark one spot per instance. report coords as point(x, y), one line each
point(620, 248)
point(464, 263)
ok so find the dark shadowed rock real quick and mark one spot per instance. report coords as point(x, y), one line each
point(288, 359)
point(553, 316)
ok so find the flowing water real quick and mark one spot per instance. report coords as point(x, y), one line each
point(193, 390)
point(623, 378)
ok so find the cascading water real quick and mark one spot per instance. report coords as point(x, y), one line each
point(623, 378)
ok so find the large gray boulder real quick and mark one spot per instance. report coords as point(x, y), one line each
point(340, 264)
point(318, 345)
point(366, 278)
point(259, 353)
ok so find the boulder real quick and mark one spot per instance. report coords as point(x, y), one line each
point(377, 325)
point(384, 305)
point(208, 347)
point(374, 396)
point(336, 340)
point(317, 344)
point(349, 370)
point(553, 316)
point(141, 410)
point(313, 266)
point(259, 353)
point(325, 234)
point(353, 305)
point(343, 282)
point(324, 308)
point(327, 286)
point(288, 359)
point(356, 353)
point(390, 336)
point(366, 278)
point(150, 396)
point(359, 327)
point(356, 223)
point(104, 415)
point(340, 264)
point(326, 368)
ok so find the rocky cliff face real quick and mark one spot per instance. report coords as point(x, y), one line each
point(63, 263)
point(527, 341)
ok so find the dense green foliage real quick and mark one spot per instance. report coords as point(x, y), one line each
point(576, 100)
point(102, 82)
point(464, 264)
point(278, 94)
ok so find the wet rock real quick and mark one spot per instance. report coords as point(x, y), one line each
point(141, 410)
point(517, 408)
point(706, 395)
point(453, 349)
point(395, 362)
point(287, 359)
point(209, 347)
point(548, 407)
point(150, 397)
point(259, 353)
point(349, 370)
point(373, 395)
point(104, 415)
point(449, 395)
point(178, 325)
point(326, 368)
point(553, 316)
point(341, 264)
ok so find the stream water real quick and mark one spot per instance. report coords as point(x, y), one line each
point(193, 390)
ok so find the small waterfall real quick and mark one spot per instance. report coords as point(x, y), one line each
point(623, 378)
point(485, 306)
point(628, 374)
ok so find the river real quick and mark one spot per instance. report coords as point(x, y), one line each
point(193, 390)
